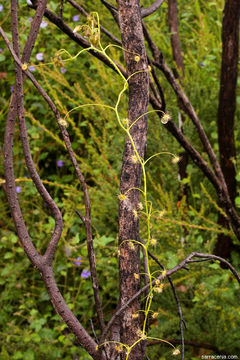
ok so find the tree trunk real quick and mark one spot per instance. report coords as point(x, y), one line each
point(226, 110)
point(131, 175)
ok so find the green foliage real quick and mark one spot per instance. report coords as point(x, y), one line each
point(30, 327)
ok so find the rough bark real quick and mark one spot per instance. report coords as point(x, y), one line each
point(175, 40)
point(226, 110)
point(131, 174)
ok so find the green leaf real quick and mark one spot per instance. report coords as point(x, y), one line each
point(2, 57)
point(237, 201)
point(8, 255)
point(29, 355)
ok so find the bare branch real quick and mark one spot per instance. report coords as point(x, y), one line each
point(186, 104)
point(188, 342)
point(66, 314)
point(113, 10)
point(181, 319)
point(36, 259)
point(77, 38)
point(175, 39)
point(223, 194)
point(29, 161)
point(217, 181)
point(144, 12)
point(152, 8)
point(178, 267)
point(87, 219)
point(61, 9)
point(28, 246)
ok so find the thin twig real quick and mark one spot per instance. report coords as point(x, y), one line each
point(80, 215)
point(188, 342)
point(93, 331)
point(181, 319)
point(61, 9)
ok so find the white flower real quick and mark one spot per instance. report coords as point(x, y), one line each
point(176, 352)
point(39, 56)
point(43, 24)
point(165, 118)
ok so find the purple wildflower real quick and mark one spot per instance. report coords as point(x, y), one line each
point(202, 64)
point(63, 70)
point(11, 88)
point(18, 189)
point(59, 163)
point(30, 19)
point(39, 56)
point(29, 2)
point(78, 261)
point(85, 274)
point(43, 24)
point(1, 7)
point(31, 68)
point(1, 50)
point(75, 18)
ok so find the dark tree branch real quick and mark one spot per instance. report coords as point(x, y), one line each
point(227, 95)
point(222, 190)
point(175, 40)
point(151, 9)
point(36, 259)
point(217, 180)
point(80, 40)
point(181, 265)
point(9, 134)
point(190, 343)
point(8, 161)
point(144, 12)
point(61, 9)
point(226, 111)
point(113, 10)
point(87, 218)
point(160, 95)
point(181, 319)
point(66, 314)
point(186, 104)
point(32, 170)
point(171, 127)
point(28, 158)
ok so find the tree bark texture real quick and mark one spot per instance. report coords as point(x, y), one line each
point(226, 109)
point(131, 174)
point(175, 40)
